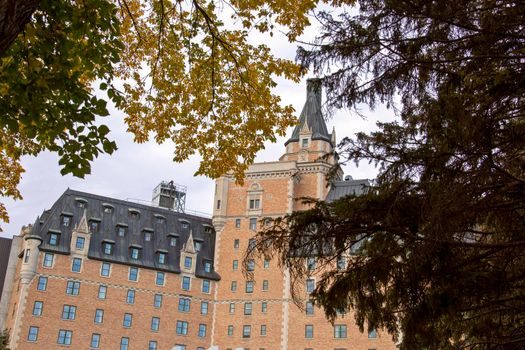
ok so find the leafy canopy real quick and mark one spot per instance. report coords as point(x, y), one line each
point(440, 236)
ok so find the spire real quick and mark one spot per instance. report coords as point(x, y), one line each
point(311, 116)
point(82, 226)
point(189, 247)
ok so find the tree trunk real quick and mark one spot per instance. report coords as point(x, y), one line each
point(14, 15)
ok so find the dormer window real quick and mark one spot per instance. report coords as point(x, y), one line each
point(54, 238)
point(121, 230)
point(108, 208)
point(162, 258)
point(94, 226)
point(184, 223)
point(159, 219)
point(134, 253)
point(173, 241)
point(188, 261)
point(133, 213)
point(304, 143)
point(208, 229)
point(66, 220)
point(81, 202)
point(198, 245)
point(207, 266)
point(107, 247)
point(148, 235)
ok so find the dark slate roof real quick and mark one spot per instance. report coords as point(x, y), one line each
point(172, 225)
point(5, 248)
point(344, 188)
point(312, 114)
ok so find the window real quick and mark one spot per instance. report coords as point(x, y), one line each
point(310, 285)
point(105, 269)
point(198, 246)
point(180, 346)
point(159, 219)
point(309, 308)
point(95, 341)
point(230, 330)
point(218, 204)
point(253, 224)
point(157, 300)
point(133, 274)
point(37, 308)
point(66, 220)
point(250, 265)
point(155, 324)
point(72, 288)
point(246, 331)
point(202, 330)
point(372, 334)
point(204, 307)
point(251, 243)
point(48, 260)
point(99, 316)
point(207, 266)
point(159, 278)
point(102, 290)
point(182, 327)
point(237, 223)
point(304, 143)
point(247, 308)
point(128, 319)
point(309, 331)
point(232, 308)
point(235, 265)
point(184, 304)
point(340, 331)
point(255, 203)
point(233, 286)
point(266, 264)
point(265, 285)
point(130, 296)
point(187, 262)
point(173, 241)
point(162, 258)
point(81, 203)
point(341, 263)
point(69, 312)
point(80, 242)
point(263, 330)
point(152, 345)
point(124, 343)
point(121, 231)
point(76, 265)
point(107, 248)
point(108, 209)
point(64, 337)
point(249, 287)
point(93, 226)
point(42, 283)
point(205, 286)
point(185, 225)
point(134, 253)
point(54, 238)
point(27, 255)
point(264, 307)
point(148, 236)
point(310, 264)
point(236, 243)
point(32, 335)
point(186, 282)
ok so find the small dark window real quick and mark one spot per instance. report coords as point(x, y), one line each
point(235, 244)
point(255, 203)
point(237, 223)
point(198, 246)
point(218, 204)
point(121, 231)
point(93, 226)
point(304, 143)
point(66, 220)
point(54, 238)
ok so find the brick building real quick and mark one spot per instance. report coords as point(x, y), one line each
point(160, 278)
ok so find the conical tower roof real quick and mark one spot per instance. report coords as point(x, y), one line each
point(311, 115)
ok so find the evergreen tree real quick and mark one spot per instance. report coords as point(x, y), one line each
point(4, 340)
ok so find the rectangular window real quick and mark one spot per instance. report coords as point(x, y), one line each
point(253, 224)
point(204, 307)
point(54, 239)
point(246, 331)
point(309, 331)
point(304, 143)
point(251, 243)
point(310, 285)
point(250, 265)
point(105, 269)
point(309, 308)
point(236, 243)
point(48, 260)
point(130, 296)
point(27, 255)
point(133, 274)
point(205, 286)
point(173, 241)
point(69, 312)
point(76, 265)
point(147, 236)
point(72, 288)
point(162, 258)
point(187, 262)
point(202, 330)
point(107, 248)
point(266, 263)
point(230, 330)
point(102, 290)
point(42, 283)
point(159, 278)
point(186, 283)
point(121, 231)
point(235, 265)
point(249, 287)
point(198, 246)
point(155, 324)
point(341, 263)
point(218, 204)
point(207, 266)
point(80, 242)
point(37, 308)
point(265, 285)
point(263, 330)
point(182, 327)
point(340, 331)
point(264, 307)
point(233, 286)
point(232, 308)
point(64, 337)
point(99, 316)
point(157, 300)
point(237, 223)
point(255, 203)
point(32, 335)
point(128, 319)
point(95, 341)
point(247, 308)
point(93, 226)
point(152, 345)
point(134, 253)
point(66, 221)
point(310, 264)
point(184, 304)
point(124, 343)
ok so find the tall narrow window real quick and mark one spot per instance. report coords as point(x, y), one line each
point(155, 324)
point(102, 290)
point(42, 283)
point(218, 204)
point(187, 262)
point(124, 343)
point(309, 331)
point(27, 255)
point(105, 269)
point(80, 242)
point(157, 300)
point(202, 330)
point(249, 287)
point(204, 307)
point(48, 260)
point(159, 278)
point(76, 265)
point(253, 224)
point(127, 321)
point(130, 296)
point(205, 286)
point(107, 248)
point(54, 238)
point(38, 306)
point(186, 283)
point(247, 308)
point(95, 341)
point(99, 316)
point(133, 274)
point(32, 335)
point(246, 331)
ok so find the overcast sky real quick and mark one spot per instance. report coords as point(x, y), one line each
point(135, 169)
